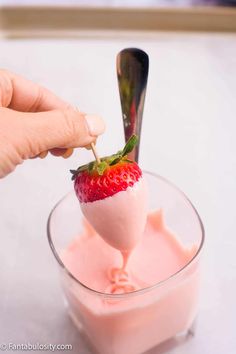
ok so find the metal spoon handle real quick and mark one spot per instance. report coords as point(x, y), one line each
point(132, 72)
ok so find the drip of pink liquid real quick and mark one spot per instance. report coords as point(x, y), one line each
point(119, 277)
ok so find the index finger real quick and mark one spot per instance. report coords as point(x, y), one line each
point(23, 95)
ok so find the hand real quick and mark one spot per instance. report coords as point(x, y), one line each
point(33, 120)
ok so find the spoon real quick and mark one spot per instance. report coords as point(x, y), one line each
point(132, 72)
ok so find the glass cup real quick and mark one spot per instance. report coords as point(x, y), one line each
point(138, 321)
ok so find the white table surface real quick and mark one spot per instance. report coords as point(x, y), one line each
point(188, 136)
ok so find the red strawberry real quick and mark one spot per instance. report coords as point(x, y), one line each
point(120, 219)
point(113, 174)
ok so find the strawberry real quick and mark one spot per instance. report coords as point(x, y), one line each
point(113, 174)
point(119, 218)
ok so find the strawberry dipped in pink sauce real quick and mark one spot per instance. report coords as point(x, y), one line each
point(113, 198)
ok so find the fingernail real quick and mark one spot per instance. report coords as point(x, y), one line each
point(96, 125)
point(68, 153)
point(43, 154)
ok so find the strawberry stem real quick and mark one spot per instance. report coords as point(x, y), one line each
point(130, 145)
point(100, 165)
point(95, 153)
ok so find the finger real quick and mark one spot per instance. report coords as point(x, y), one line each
point(38, 132)
point(65, 128)
point(68, 153)
point(58, 151)
point(89, 147)
point(24, 95)
point(43, 154)
point(54, 152)
point(62, 152)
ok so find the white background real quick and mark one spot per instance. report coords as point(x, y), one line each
point(188, 136)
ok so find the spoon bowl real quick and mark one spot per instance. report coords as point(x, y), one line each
point(132, 66)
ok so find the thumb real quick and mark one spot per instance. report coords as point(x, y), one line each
point(66, 128)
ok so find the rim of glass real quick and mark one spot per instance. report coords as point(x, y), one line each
point(139, 291)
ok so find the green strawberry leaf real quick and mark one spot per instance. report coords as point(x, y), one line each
point(130, 145)
point(82, 168)
point(76, 172)
point(73, 172)
point(101, 167)
point(107, 161)
point(115, 160)
point(127, 160)
point(91, 166)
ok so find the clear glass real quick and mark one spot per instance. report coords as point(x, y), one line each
point(138, 321)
